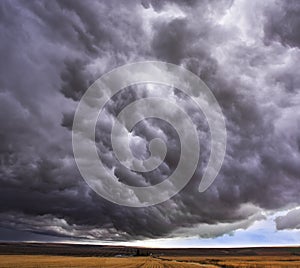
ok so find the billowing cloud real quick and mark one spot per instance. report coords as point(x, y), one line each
point(289, 221)
point(247, 52)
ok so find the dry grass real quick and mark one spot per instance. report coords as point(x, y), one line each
point(35, 261)
point(244, 261)
point(41, 261)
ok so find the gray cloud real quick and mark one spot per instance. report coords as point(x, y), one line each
point(289, 221)
point(52, 51)
point(283, 23)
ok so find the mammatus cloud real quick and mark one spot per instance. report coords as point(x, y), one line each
point(247, 52)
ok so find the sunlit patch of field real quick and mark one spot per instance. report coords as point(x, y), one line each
point(242, 261)
point(40, 261)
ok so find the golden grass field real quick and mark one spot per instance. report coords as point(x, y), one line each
point(26, 261)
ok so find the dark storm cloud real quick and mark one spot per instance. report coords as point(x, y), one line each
point(52, 51)
point(283, 23)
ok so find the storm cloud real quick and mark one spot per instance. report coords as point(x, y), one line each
point(247, 52)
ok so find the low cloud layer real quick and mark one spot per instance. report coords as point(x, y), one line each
point(289, 221)
point(247, 52)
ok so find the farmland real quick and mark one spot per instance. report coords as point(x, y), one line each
point(25, 255)
point(60, 261)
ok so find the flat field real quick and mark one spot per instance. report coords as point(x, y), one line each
point(44, 255)
point(27, 261)
point(30, 261)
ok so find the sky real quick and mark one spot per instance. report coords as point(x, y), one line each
point(247, 53)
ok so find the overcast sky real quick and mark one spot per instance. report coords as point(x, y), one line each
point(247, 52)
